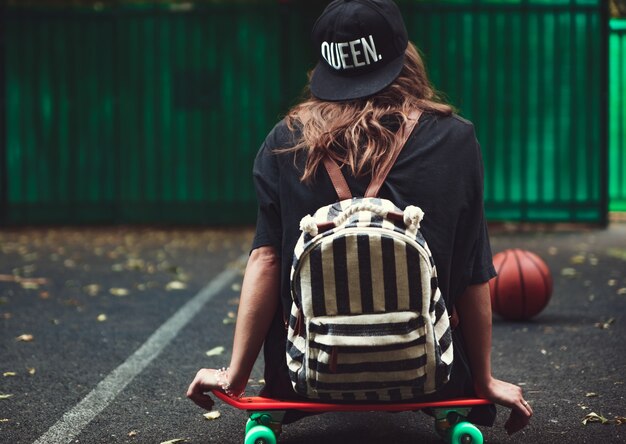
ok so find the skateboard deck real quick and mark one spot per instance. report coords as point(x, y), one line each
point(266, 415)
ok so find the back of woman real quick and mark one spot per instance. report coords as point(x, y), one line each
point(438, 169)
point(367, 83)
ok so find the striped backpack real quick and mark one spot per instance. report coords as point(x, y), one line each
point(367, 321)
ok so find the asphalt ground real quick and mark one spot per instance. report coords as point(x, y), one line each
point(102, 329)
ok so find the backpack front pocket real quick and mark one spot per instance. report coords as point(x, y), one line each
point(367, 355)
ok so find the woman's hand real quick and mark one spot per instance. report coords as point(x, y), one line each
point(205, 380)
point(209, 379)
point(508, 395)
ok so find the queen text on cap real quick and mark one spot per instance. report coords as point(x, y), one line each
point(352, 54)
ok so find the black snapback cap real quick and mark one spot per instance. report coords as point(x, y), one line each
point(361, 45)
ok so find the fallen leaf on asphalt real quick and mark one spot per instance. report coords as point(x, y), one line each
point(5, 374)
point(135, 264)
point(568, 272)
point(133, 433)
point(578, 259)
point(117, 267)
point(212, 415)
point(5, 396)
point(612, 283)
point(621, 291)
point(618, 253)
point(619, 420)
point(101, 317)
point(4, 419)
point(44, 295)
point(25, 338)
point(175, 285)
point(31, 370)
point(29, 285)
point(29, 257)
point(17, 278)
point(183, 276)
point(228, 321)
point(215, 351)
point(6, 315)
point(119, 291)
point(605, 325)
point(594, 417)
point(591, 395)
point(174, 441)
point(236, 287)
point(92, 289)
point(28, 270)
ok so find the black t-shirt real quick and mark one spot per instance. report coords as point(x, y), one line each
point(439, 170)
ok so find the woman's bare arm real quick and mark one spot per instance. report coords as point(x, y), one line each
point(257, 307)
point(474, 310)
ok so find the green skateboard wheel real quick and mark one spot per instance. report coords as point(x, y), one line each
point(260, 434)
point(251, 423)
point(465, 433)
point(258, 418)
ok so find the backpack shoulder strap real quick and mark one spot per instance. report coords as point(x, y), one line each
point(407, 129)
point(339, 181)
point(337, 178)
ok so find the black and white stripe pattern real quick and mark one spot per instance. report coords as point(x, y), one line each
point(368, 321)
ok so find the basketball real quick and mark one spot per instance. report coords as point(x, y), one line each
point(523, 286)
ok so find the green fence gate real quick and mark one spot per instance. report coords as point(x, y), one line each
point(155, 113)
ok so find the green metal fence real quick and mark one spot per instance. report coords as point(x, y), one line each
point(138, 116)
point(617, 116)
point(155, 115)
point(530, 75)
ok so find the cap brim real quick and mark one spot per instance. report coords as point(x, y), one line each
point(327, 84)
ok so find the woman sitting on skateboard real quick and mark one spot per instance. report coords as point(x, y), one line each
point(368, 79)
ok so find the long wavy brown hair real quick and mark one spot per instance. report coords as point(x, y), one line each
point(359, 133)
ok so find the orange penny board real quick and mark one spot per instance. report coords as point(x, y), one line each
point(258, 403)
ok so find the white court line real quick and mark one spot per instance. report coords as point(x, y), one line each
point(74, 420)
